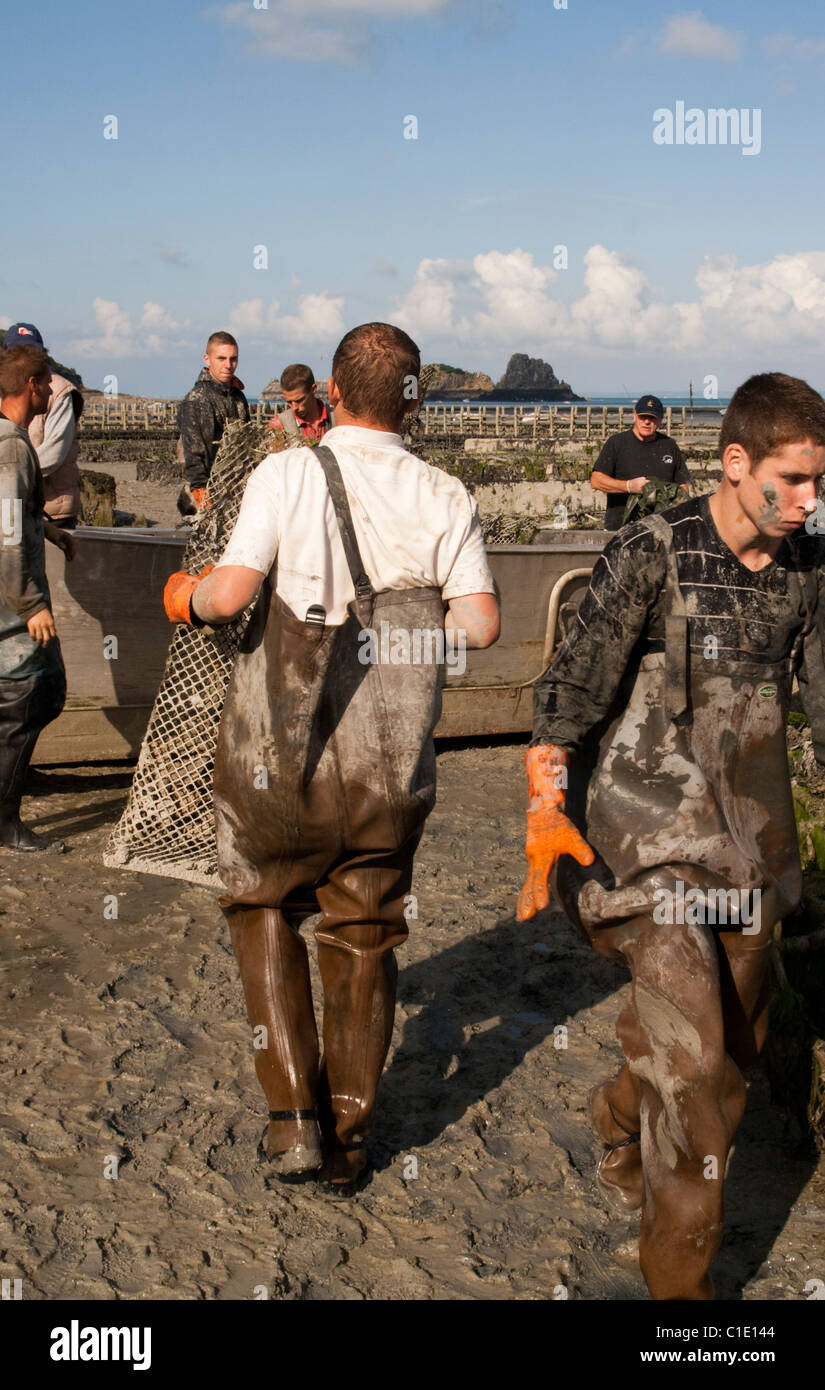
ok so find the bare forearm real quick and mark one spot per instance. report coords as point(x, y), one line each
point(477, 616)
point(602, 482)
point(224, 594)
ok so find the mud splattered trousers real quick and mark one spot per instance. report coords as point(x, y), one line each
point(697, 1016)
point(26, 707)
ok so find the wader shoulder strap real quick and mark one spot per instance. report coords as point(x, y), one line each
point(364, 592)
point(676, 624)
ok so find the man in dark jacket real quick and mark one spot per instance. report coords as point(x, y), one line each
point(32, 678)
point(216, 397)
point(630, 459)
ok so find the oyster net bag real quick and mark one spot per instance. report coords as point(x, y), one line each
point(167, 827)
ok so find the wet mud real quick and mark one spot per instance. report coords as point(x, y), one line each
point(125, 1050)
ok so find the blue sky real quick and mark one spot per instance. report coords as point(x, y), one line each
point(284, 128)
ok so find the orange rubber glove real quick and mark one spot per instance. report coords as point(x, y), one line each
point(549, 833)
point(200, 498)
point(177, 595)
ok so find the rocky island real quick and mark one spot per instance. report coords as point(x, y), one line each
point(526, 379)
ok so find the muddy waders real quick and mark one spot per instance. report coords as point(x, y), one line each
point(324, 777)
point(26, 707)
point(690, 792)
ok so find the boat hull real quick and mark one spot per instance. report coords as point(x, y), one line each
point(115, 637)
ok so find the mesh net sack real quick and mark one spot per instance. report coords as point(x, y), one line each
point(167, 827)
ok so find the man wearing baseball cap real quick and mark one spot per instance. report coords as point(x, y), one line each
point(54, 435)
point(629, 459)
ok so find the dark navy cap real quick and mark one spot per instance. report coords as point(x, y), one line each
point(650, 405)
point(23, 335)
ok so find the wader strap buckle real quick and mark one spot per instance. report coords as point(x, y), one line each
point(364, 591)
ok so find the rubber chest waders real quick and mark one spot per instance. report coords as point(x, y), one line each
point(690, 784)
point(320, 752)
point(690, 790)
point(324, 777)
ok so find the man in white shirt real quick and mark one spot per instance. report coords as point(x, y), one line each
point(325, 767)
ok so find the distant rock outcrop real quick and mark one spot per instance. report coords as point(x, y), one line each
point(453, 381)
point(526, 379)
point(530, 373)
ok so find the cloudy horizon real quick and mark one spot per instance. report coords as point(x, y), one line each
point(484, 174)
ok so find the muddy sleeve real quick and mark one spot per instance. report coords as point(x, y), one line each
point(18, 589)
point(197, 431)
point(578, 688)
point(811, 675)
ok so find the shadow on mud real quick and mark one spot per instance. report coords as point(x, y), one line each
point(477, 1009)
point(768, 1171)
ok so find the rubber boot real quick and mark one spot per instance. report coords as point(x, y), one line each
point(359, 1010)
point(14, 762)
point(272, 958)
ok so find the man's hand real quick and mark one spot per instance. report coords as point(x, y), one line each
point(64, 539)
point(177, 594)
point(41, 627)
point(636, 484)
point(549, 833)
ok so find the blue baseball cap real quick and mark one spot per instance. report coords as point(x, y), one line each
point(23, 335)
point(650, 405)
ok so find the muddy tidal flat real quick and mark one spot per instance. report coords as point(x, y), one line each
point(131, 1115)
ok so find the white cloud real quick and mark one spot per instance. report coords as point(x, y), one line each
point(319, 318)
point(690, 35)
point(515, 294)
point(793, 47)
point(427, 308)
point(503, 299)
point(157, 332)
point(317, 31)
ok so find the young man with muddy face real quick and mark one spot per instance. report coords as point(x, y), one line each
point(661, 807)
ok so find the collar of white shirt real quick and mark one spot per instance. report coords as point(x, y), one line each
point(356, 434)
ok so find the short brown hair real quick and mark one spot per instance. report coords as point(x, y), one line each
point(215, 338)
point(376, 368)
point(769, 411)
point(297, 376)
point(17, 364)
